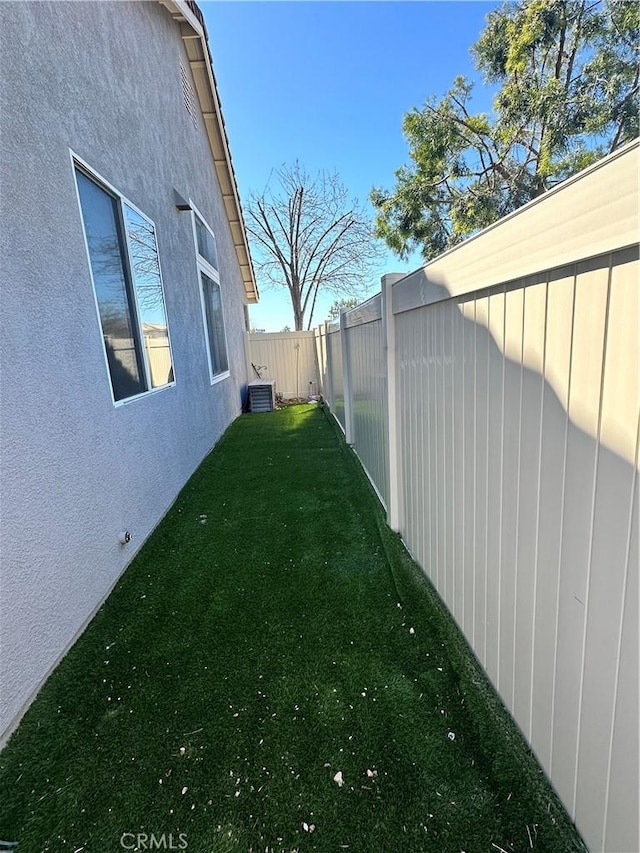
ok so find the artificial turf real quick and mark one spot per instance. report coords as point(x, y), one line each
point(271, 634)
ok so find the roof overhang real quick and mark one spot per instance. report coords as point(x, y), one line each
point(189, 18)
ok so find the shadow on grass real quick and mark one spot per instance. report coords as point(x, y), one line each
point(270, 635)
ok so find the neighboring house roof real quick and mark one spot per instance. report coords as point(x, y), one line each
point(194, 35)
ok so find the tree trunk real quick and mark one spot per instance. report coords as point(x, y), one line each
point(298, 313)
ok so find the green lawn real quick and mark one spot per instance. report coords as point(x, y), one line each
point(271, 634)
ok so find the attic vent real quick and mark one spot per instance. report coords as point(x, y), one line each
point(188, 95)
point(262, 395)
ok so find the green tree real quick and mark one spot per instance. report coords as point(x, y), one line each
point(567, 78)
point(341, 305)
point(306, 235)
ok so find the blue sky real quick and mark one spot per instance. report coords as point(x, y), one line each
point(328, 84)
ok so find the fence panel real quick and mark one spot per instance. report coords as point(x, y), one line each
point(369, 389)
point(517, 406)
point(533, 556)
point(334, 369)
point(287, 357)
point(321, 358)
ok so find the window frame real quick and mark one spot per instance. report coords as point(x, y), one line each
point(77, 163)
point(203, 266)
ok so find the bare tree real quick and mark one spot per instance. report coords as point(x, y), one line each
point(308, 238)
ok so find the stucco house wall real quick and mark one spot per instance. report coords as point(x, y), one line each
point(102, 80)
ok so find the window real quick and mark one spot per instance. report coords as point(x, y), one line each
point(206, 244)
point(123, 256)
point(211, 296)
point(215, 325)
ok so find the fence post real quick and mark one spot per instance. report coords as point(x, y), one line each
point(324, 378)
point(316, 349)
point(346, 380)
point(247, 355)
point(394, 507)
point(329, 374)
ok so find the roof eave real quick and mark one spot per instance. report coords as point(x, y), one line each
point(195, 40)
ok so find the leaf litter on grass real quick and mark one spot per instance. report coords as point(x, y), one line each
point(292, 671)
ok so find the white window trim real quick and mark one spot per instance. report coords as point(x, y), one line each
point(76, 160)
point(204, 266)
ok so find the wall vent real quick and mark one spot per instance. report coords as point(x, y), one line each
point(262, 395)
point(188, 95)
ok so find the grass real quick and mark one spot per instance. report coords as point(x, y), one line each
point(270, 634)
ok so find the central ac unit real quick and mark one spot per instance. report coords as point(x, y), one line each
point(262, 395)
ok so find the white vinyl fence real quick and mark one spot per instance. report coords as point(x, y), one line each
point(335, 388)
point(158, 356)
point(288, 357)
point(493, 398)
